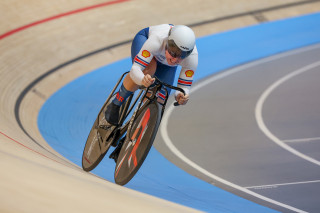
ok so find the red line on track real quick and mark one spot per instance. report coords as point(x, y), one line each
point(41, 22)
point(29, 148)
point(59, 16)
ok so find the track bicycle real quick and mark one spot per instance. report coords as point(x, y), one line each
point(132, 139)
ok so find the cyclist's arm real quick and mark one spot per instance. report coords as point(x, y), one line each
point(142, 60)
point(189, 66)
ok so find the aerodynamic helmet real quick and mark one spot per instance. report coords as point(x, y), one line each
point(181, 41)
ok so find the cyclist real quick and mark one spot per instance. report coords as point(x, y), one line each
point(158, 50)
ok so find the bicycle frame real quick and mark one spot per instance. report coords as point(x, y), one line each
point(145, 100)
point(103, 135)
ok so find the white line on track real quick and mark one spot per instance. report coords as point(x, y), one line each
point(259, 108)
point(301, 140)
point(281, 184)
point(168, 142)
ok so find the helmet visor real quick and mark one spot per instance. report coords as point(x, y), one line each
point(175, 51)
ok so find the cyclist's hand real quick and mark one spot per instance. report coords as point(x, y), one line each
point(147, 80)
point(182, 99)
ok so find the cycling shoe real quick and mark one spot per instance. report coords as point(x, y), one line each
point(112, 114)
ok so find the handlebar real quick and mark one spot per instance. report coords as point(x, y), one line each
point(171, 87)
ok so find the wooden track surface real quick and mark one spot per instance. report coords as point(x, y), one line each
point(35, 178)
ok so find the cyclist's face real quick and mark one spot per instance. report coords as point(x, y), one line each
point(171, 60)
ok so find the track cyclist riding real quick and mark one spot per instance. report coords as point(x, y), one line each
point(158, 50)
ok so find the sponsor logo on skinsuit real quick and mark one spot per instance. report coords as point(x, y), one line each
point(189, 73)
point(146, 53)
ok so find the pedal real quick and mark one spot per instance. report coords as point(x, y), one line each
point(107, 131)
point(115, 154)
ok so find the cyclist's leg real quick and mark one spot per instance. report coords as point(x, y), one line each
point(136, 46)
point(138, 42)
point(128, 86)
point(113, 109)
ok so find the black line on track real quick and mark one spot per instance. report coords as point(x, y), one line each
point(40, 78)
point(253, 13)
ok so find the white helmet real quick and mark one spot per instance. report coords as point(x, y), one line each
point(181, 41)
